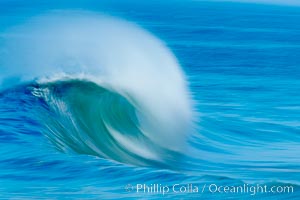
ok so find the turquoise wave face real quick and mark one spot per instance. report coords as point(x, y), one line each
point(86, 118)
point(106, 113)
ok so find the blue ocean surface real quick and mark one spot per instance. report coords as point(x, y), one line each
point(149, 100)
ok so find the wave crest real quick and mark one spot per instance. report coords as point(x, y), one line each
point(113, 89)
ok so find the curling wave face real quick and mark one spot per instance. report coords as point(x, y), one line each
point(111, 89)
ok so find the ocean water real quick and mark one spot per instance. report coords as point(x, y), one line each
point(135, 100)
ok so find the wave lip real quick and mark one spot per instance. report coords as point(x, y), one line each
point(112, 88)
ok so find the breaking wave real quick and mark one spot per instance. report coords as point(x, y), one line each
point(110, 88)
